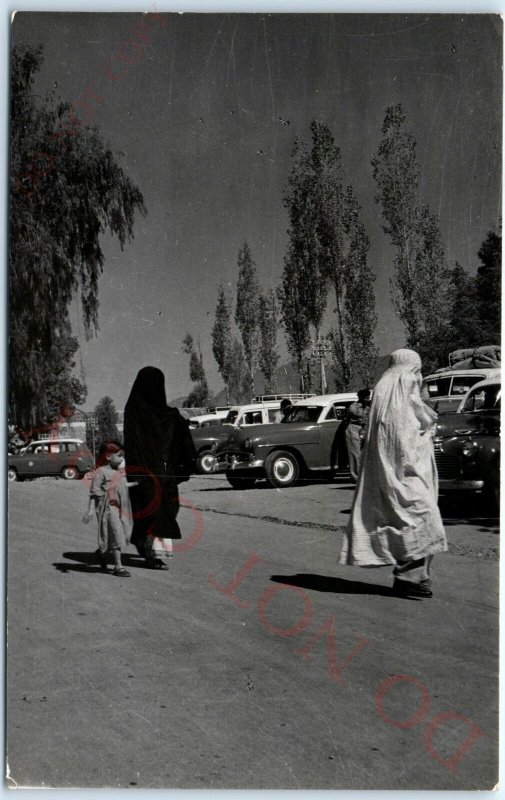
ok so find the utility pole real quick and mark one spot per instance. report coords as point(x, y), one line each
point(320, 350)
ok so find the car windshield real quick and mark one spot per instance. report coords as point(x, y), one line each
point(483, 399)
point(231, 416)
point(304, 414)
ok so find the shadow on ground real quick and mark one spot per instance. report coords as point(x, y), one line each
point(469, 511)
point(88, 562)
point(325, 583)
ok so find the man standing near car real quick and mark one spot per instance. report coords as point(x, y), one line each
point(282, 414)
point(356, 419)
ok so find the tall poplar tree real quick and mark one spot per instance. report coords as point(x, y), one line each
point(268, 354)
point(247, 311)
point(421, 277)
point(328, 248)
point(199, 395)
point(222, 339)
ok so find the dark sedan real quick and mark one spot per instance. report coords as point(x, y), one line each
point(307, 442)
point(467, 443)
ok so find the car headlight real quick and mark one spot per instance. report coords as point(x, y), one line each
point(469, 449)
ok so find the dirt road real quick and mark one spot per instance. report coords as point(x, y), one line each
point(255, 662)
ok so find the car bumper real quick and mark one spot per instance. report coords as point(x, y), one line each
point(460, 485)
point(229, 462)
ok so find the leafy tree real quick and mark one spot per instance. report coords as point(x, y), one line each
point(199, 396)
point(106, 420)
point(66, 190)
point(268, 355)
point(247, 311)
point(305, 250)
point(295, 320)
point(463, 324)
point(238, 375)
point(488, 285)
point(222, 339)
point(328, 248)
point(421, 280)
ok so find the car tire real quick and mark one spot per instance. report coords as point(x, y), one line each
point(240, 482)
point(282, 469)
point(205, 462)
point(12, 474)
point(70, 473)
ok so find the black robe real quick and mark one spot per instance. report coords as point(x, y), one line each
point(159, 454)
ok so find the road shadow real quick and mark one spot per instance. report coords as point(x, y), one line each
point(467, 511)
point(88, 562)
point(325, 583)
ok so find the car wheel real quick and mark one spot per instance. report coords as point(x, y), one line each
point(70, 473)
point(205, 463)
point(239, 482)
point(282, 469)
point(12, 474)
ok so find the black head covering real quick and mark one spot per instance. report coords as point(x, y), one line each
point(151, 427)
point(149, 385)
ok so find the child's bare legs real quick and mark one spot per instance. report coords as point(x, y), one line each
point(118, 567)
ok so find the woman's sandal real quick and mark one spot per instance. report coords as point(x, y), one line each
point(121, 572)
point(156, 563)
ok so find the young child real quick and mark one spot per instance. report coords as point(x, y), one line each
point(108, 496)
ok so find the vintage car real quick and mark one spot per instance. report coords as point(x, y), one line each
point(467, 443)
point(263, 411)
point(446, 389)
point(67, 458)
point(307, 442)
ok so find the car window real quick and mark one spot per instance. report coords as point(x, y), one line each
point(231, 416)
point(462, 383)
point(272, 413)
point(71, 447)
point(40, 448)
point(252, 418)
point(485, 399)
point(55, 447)
point(305, 414)
point(438, 387)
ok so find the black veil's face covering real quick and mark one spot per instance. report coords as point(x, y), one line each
point(149, 385)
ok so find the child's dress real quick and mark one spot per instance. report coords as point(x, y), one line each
point(113, 509)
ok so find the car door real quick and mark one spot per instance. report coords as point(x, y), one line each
point(33, 462)
point(330, 446)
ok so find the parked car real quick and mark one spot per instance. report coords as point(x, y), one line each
point(68, 458)
point(467, 443)
point(202, 420)
point(447, 389)
point(304, 443)
point(263, 411)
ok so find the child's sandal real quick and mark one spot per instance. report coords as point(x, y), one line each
point(121, 572)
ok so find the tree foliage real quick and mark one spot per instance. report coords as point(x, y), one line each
point(67, 189)
point(247, 311)
point(328, 247)
point(488, 289)
point(106, 420)
point(239, 378)
point(222, 338)
point(268, 354)
point(421, 277)
point(199, 395)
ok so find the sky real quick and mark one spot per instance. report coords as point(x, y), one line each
point(205, 119)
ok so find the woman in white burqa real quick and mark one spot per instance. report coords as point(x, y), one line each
point(395, 517)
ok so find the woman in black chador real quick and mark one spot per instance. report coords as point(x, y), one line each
point(159, 454)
